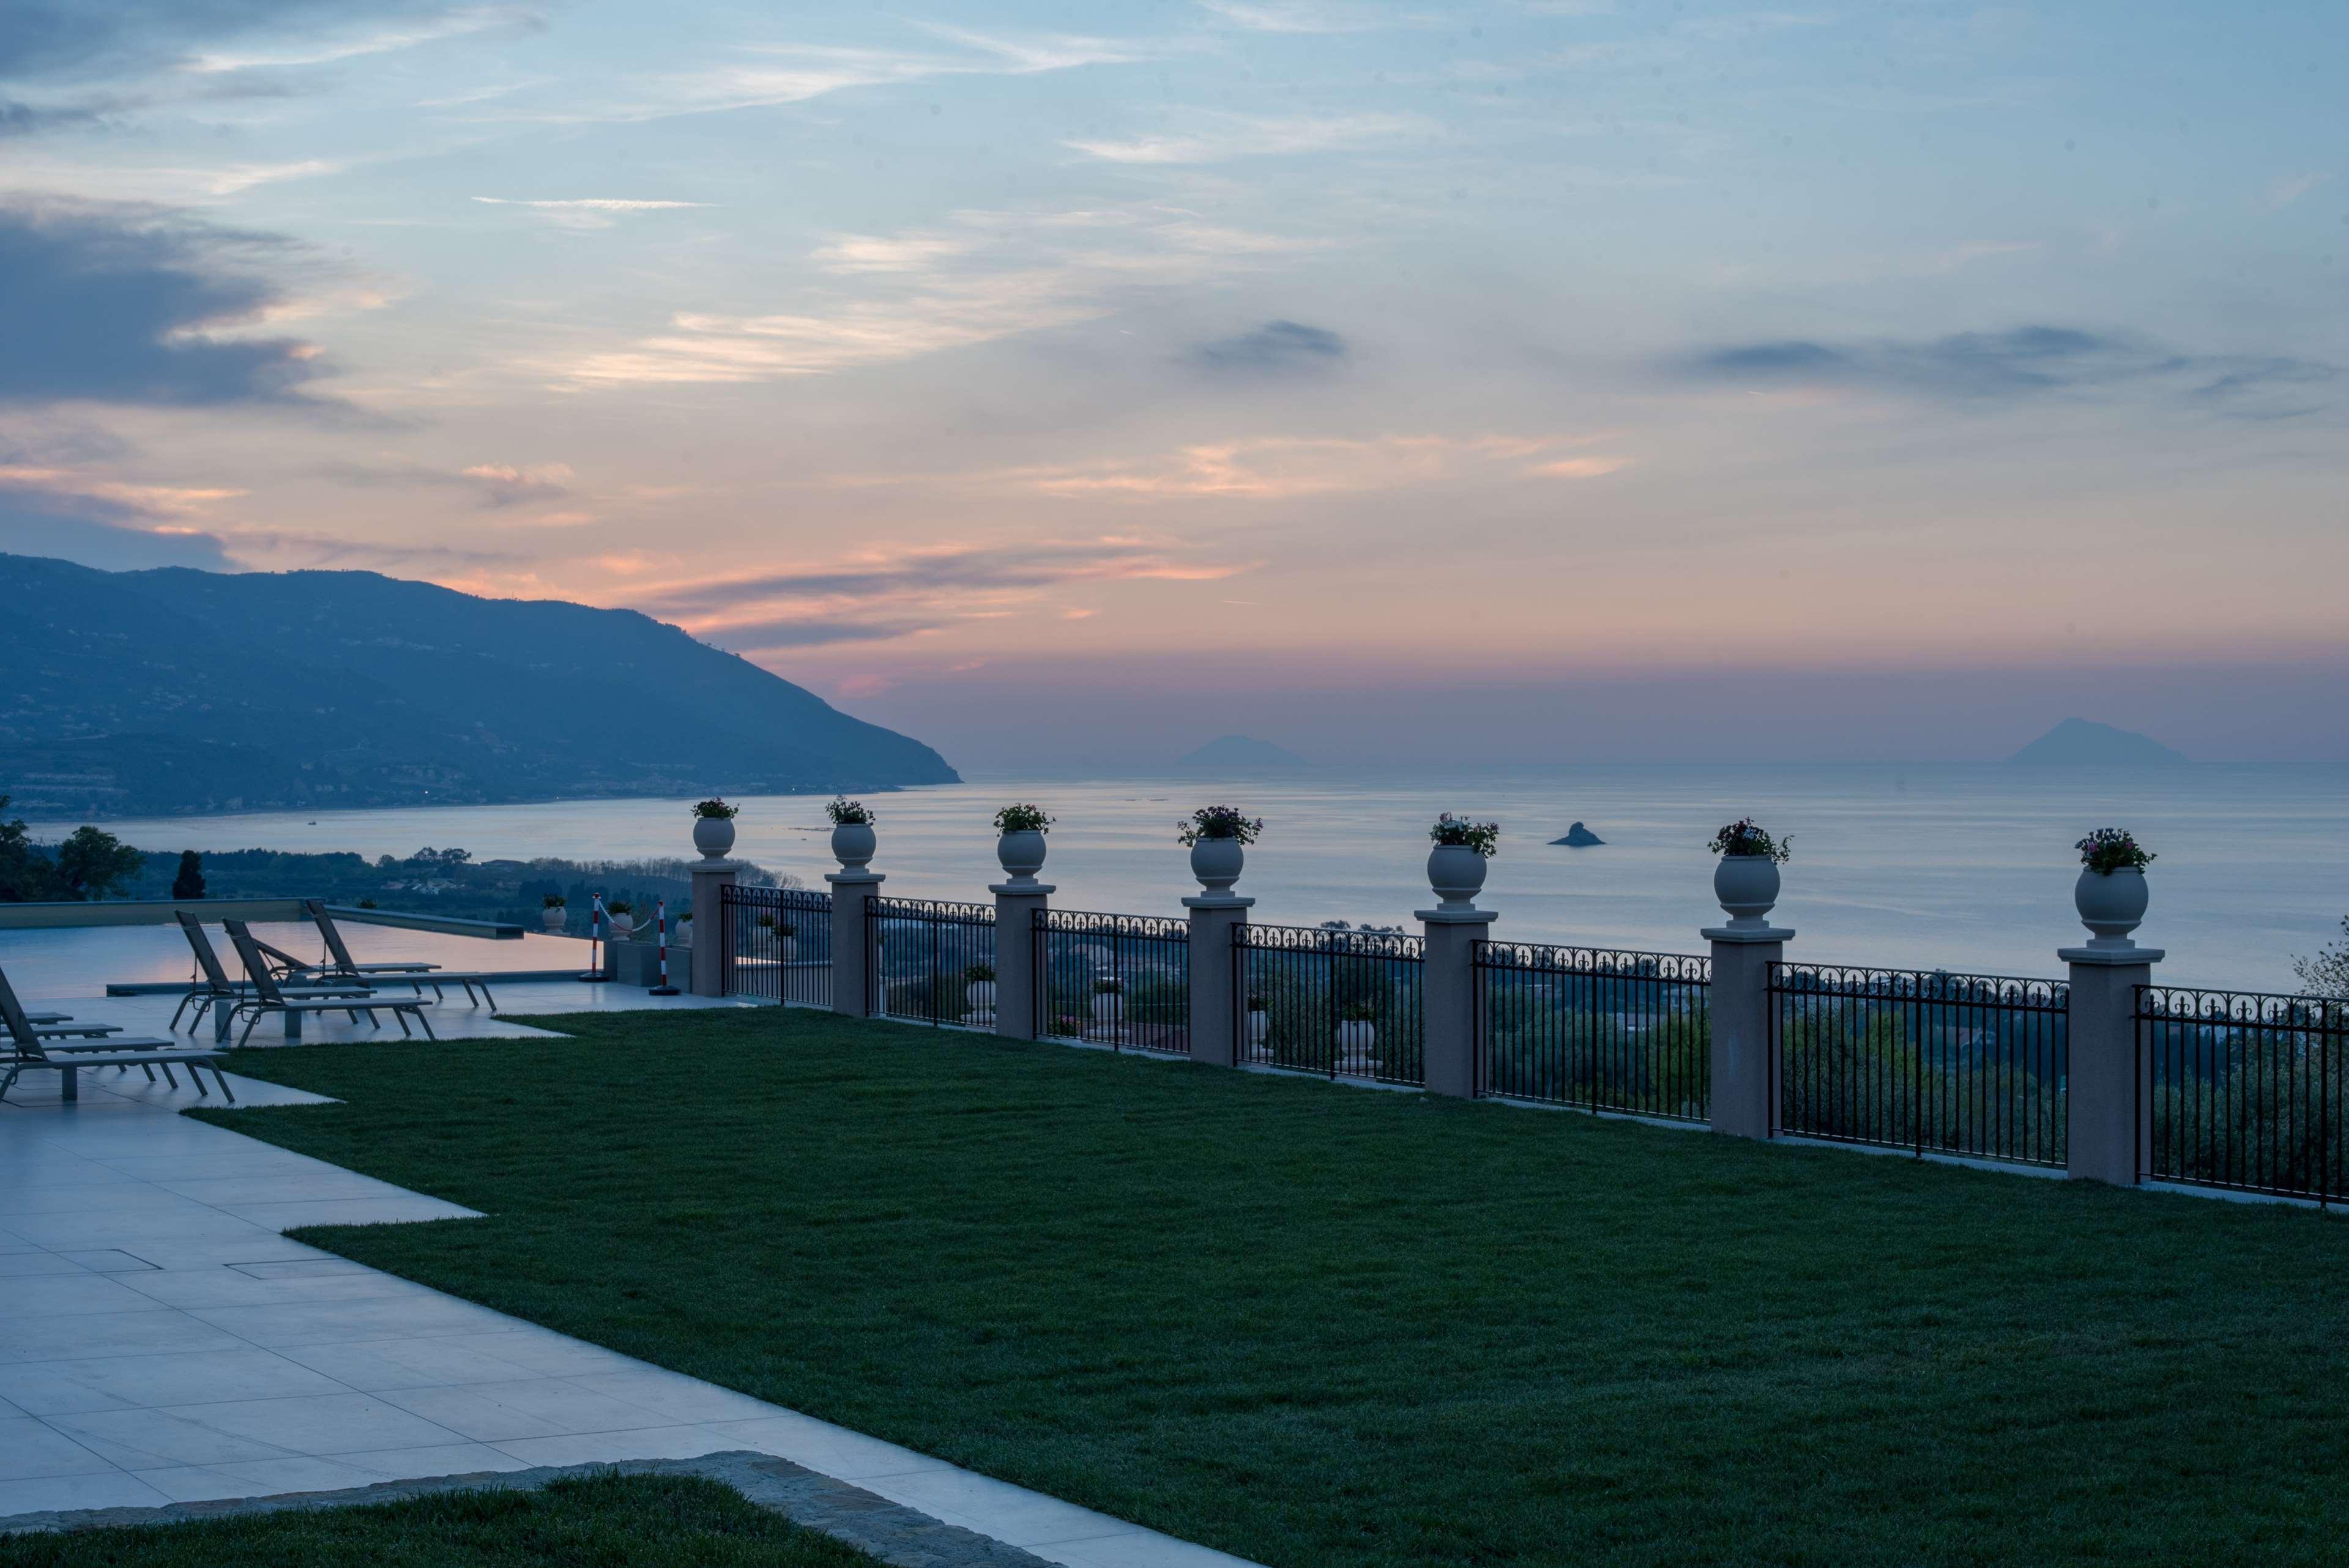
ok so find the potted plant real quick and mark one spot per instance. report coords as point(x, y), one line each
point(1358, 1035)
point(1745, 880)
point(1109, 1000)
point(713, 829)
point(1455, 866)
point(683, 936)
point(1218, 837)
point(552, 914)
point(1020, 842)
point(2111, 894)
point(1260, 1020)
point(979, 988)
point(852, 832)
point(619, 914)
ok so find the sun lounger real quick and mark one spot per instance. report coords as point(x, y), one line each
point(414, 975)
point(217, 989)
point(34, 1048)
point(268, 996)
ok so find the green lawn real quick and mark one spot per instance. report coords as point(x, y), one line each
point(1314, 1325)
point(608, 1522)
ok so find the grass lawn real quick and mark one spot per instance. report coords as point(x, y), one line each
point(1319, 1325)
point(609, 1522)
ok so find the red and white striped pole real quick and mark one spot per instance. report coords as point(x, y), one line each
point(595, 919)
point(660, 912)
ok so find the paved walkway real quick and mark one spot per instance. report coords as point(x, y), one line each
point(160, 1341)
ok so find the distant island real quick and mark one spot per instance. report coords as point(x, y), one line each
point(1578, 837)
point(1240, 754)
point(174, 691)
point(2080, 743)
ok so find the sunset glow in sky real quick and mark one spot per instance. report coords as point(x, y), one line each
point(1878, 380)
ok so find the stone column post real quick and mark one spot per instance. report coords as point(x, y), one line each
point(1455, 1059)
point(1216, 920)
point(1745, 1071)
point(1017, 902)
point(713, 935)
point(2107, 1077)
point(850, 955)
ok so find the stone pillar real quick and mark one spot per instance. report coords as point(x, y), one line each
point(2111, 1111)
point(1455, 1058)
point(1017, 902)
point(1216, 920)
point(850, 955)
point(712, 934)
point(1744, 1073)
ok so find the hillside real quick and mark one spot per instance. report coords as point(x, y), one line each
point(176, 690)
point(2084, 743)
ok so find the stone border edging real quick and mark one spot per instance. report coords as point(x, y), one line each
point(900, 1536)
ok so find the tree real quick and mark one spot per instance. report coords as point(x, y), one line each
point(2326, 974)
point(92, 863)
point(190, 882)
point(26, 874)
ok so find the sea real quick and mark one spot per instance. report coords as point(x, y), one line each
point(1926, 867)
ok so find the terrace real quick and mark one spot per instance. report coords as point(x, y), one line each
point(1121, 1303)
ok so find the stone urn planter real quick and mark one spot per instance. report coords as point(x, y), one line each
point(1357, 1041)
point(978, 997)
point(787, 948)
point(1260, 1024)
point(1022, 854)
point(2111, 905)
point(1108, 1008)
point(714, 837)
point(1747, 886)
point(853, 844)
point(553, 917)
point(1216, 863)
point(681, 934)
point(622, 924)
point(1456, 872)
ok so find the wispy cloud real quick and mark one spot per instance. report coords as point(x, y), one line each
point(1275, 347)
point(1222, 137)
point(453, 24)
point(2286, 189)
point(1281, 467)
point(1310, 16)
point(587, 212)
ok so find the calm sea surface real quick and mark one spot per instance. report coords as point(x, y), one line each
point(1957, 868)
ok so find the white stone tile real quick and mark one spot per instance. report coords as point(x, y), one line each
point(150, 1440)
point(685, 1442)
point(110, 1261)
point(110, 1334)
point(329, 1322)
point(32, 1261)
point(153, 1382)
point(219, 1285)
point(30, 1450)
point(534, 1408)
point(257, 1478)
point(110, 1488)
point(819, 1446)
point(677, 1397)
point(546, 1353)
point(125, 1228)
point(376, 1365)
point(1007, 1512)
point(444, 1459)
point(277, 1186)
point(318, 1424)
point(302, 1268)
point(79, 1294)
point(124, 1198)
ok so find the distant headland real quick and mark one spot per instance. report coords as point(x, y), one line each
point(2082, 743)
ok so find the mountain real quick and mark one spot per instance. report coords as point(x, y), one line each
point(2082, 743)
point(1240, 754)
point(175, 690)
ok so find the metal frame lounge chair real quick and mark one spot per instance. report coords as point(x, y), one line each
point(415, 975)
point(36, 1047)
point(217, 989)
point(268, 996)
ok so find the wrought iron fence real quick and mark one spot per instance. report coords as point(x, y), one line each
point(2245, 1091)
point(931, 962)
point(777, 943)
point(1117, 980)
point(1341, 1002)
point(1930, 1062)
point(1596, 1028)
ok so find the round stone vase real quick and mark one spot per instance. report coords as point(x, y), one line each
point(621, 926)
point(1216, 863)
point(853, 844)
point(1022, 855)
point(2111, 905)
point(1456, 872)
point(713, 836)
point(980, 995)
point(1747, 886)
point(1109, 1006)
point(1259, 1026)
point(553, 918)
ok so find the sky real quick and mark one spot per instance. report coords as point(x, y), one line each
point(1548, 380)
